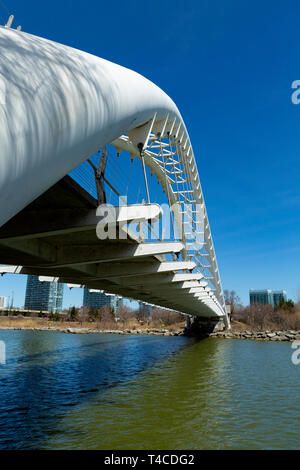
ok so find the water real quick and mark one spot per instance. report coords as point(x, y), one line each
point(61, 391)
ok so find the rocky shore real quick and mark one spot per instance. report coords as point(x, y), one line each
point(147, 331)
point(289, 335)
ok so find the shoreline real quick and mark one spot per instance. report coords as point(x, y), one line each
point(282, 335)
point(126, 331)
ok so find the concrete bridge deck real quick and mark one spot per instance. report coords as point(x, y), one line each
point(55, 236)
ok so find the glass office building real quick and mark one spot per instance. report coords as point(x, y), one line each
point(278, 296)
point(43, 296)
point(267, 297)
point(115, 302)
point(95, 299)
point(145, 309)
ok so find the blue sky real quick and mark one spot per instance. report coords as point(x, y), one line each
point(229, 67)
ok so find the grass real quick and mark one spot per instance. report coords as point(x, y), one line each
point(35, 322)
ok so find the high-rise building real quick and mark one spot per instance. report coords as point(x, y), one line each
point(267, 297)
point(145, 309)
point(115, 302)
point(278, 296)
point(97, 299)
point(3, 301)
point(43, 296)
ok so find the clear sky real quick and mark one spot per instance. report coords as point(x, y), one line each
point(229, 67)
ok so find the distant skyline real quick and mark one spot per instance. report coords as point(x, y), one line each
point(74, 296)
point(229, 67)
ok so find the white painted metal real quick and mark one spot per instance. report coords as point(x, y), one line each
point(145, 249)
point(125, 214)
point(60, 105)
point(202, 226)
point(10, 21)
point(48, 279)
point(10, 269)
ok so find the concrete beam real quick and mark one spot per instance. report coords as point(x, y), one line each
point(7, 269)
point(173, 286)
point(157, 278)
point(47, 223)
point(103, 271)
point(69, 255)
point(36, 248)
point(48, 279)
point(120, 270)
point(91, 254)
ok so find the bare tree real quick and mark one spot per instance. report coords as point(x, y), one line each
point(166, 317)
point(73, 313)
point(83, 314)
point(106, 316)
point(142, 313)
point(232, 299)
point(263, 317)
point(93, 314)
point(125, 314)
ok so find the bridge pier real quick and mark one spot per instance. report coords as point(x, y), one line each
point(202, 327)
point(187, 322)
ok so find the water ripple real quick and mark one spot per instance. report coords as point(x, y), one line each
point(122, 392)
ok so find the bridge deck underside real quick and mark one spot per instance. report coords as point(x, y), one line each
point(56, 236)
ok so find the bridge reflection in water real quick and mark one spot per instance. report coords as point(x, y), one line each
point(139, 392)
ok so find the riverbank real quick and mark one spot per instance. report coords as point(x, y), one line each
point(288, 335)
point(238, 330)
point(132, 328)
point(127, 331)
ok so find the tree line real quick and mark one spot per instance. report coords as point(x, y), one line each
point(284, 316)
point(124, 315)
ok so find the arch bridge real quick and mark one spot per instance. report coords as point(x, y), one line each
point(89, 147)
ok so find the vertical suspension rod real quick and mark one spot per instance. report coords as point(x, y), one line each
point(166, 183)
point(140, 147)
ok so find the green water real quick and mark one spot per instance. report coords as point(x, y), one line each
point(212, 394)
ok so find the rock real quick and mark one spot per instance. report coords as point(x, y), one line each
point(282, 337)
point(74, 330)
point(290, 336)
point(267, 335)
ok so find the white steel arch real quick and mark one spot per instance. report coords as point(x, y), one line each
point(59, 105)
